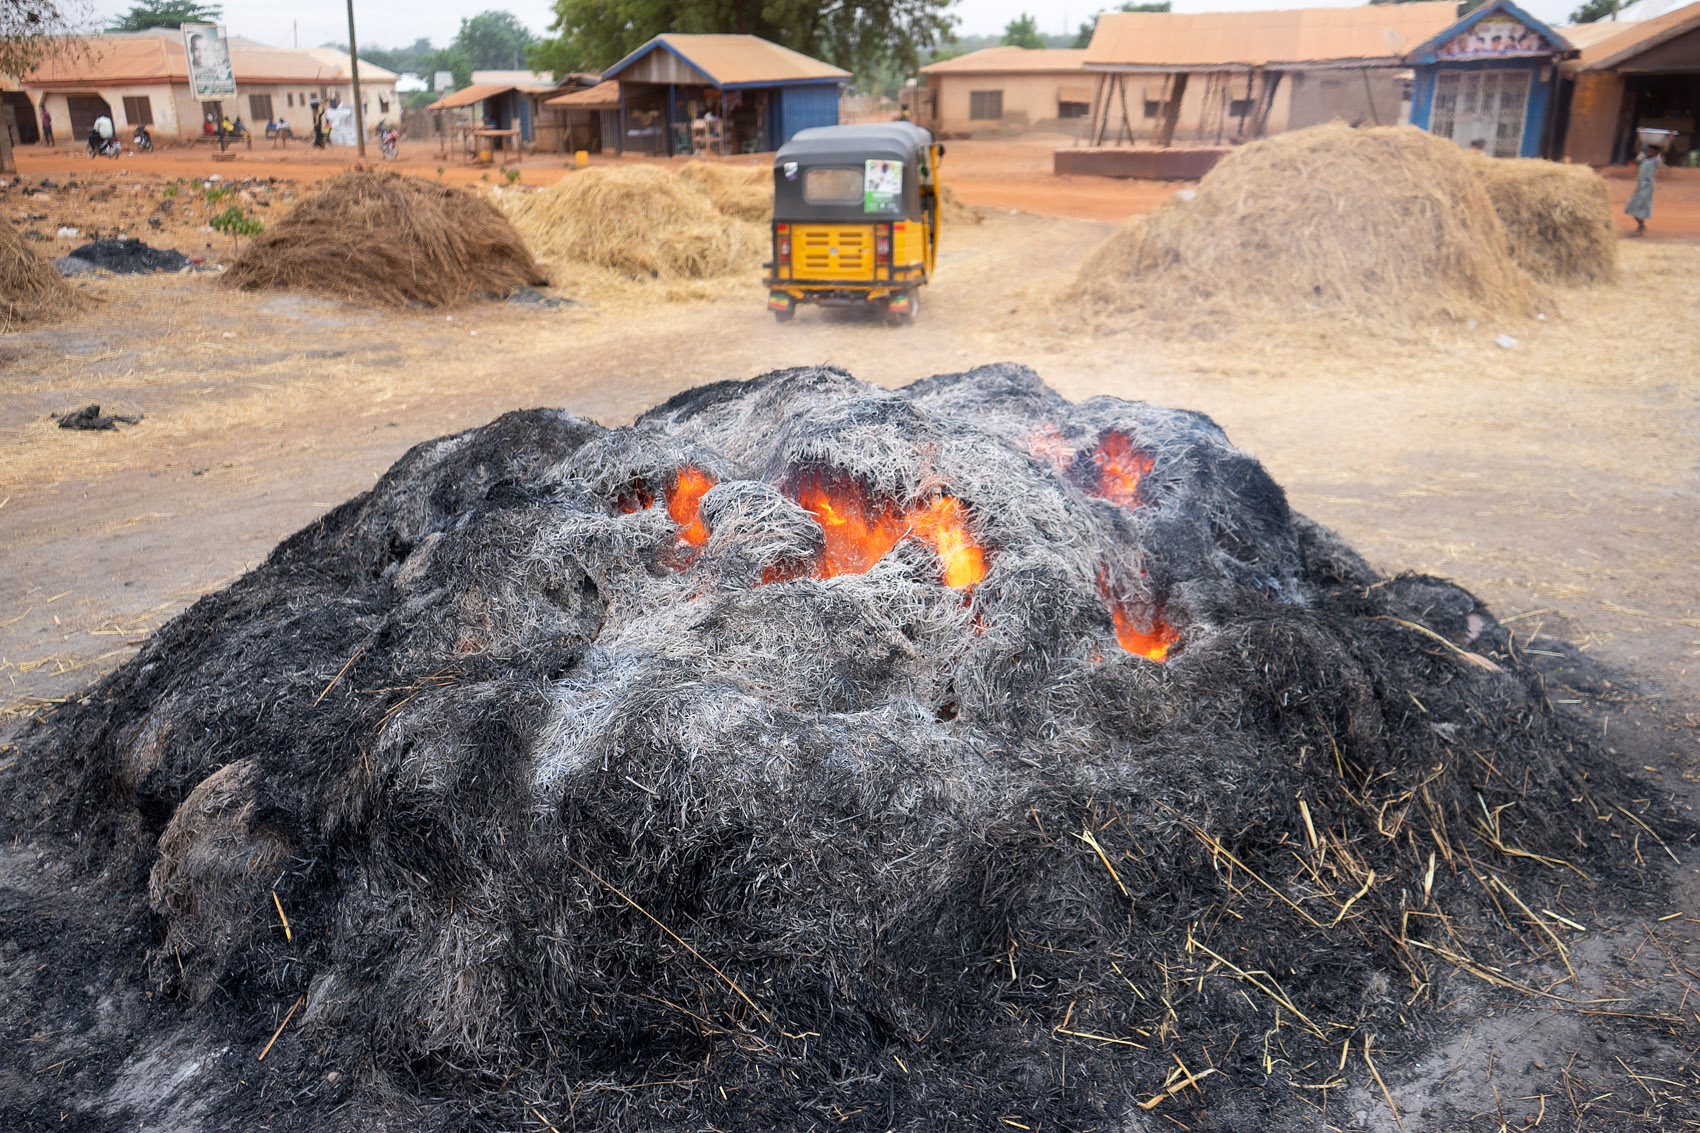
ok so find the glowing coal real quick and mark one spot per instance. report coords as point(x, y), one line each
point(797, 756)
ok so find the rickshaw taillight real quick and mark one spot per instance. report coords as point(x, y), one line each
point(783, 233)
point(882, 244)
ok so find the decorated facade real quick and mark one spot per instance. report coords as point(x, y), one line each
point(1487, 81)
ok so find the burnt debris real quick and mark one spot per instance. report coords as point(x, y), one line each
point(805, 754)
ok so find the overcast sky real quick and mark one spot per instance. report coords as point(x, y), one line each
point(392, 23)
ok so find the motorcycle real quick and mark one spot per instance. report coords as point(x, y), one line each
point(389, 140)
point(142, 140)
point(104, 147)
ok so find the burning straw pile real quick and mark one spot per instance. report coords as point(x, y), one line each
point(389, 240)
point(1391, 224)
point(810, 754)
point(1557, 217)
point(640, 221)
point(31, 290)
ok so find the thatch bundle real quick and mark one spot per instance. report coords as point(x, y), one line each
point(390, 240)
point(1556, 217)
point(30, 289)
point(639, 220)
point(743, 191)
point(1389, 223)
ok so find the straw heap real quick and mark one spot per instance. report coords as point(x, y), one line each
point(30, 289)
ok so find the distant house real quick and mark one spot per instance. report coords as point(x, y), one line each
point(1003, 90)
point(1487, 81)
point(142, 78)
point(505, 104)
point(760, 92)
point(1628, 76)
point(1214, 78)
point(589, 119)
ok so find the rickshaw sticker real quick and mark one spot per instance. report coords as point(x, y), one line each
point(882, 186)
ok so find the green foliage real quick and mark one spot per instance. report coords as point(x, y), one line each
point(510, 176)
point(1593, 11)
point(236, 224)
point(420, 99)
point(166, 14)
point(1023, 31)
point(218, 193)
point(493, 41)
point(32, 31)
point(858, 35)
point(1083, 37)
point(169, 191)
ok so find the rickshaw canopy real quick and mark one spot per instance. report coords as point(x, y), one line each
point(868, 171)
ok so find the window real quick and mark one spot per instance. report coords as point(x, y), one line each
point(1239, 108)
point(138, 110)
point(260, 107)
point(1155, 108)
point(985, 104)
point(1073, 109)
point(832, 186)
point(291, 97)
point(383, 105)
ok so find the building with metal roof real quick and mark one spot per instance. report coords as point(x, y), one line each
point(1628, 76)
point(747, 92)
point(1221, 77)
point(142, 79)
point(1487, 81)
point(1002, 90)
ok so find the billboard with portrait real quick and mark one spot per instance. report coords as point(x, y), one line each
point(210, 76)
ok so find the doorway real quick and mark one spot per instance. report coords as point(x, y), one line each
point(1482, 110)
point(84, 109)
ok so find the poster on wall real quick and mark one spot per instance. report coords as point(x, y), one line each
point(1493, 38)
point(210, 76)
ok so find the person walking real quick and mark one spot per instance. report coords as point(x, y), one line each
point(1640, 204)
point(46, 127)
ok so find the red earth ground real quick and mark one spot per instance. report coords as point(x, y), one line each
point(1012, 173)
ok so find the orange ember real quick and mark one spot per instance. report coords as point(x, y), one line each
point(1140, 627)
point(684, 504)
point(859, 530)
point(1153, 644)
point(1120, 467)
point(634, 499)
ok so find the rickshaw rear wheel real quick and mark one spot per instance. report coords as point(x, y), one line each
point(905, 318)
point(785, 316)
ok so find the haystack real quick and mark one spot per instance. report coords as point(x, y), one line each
point(389, 240)
point(638, 220)
point(1390, 224)
point(742, 191)
point(30, 289)
point(1557, 217)
point(805, 749)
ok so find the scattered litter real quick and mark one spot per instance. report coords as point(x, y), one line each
point(1186, 194)
point(90, 418)
point(66, 232)
point(72, 266)
point(532, 297)
point(1505, 342)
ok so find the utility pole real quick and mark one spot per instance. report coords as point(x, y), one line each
point(354, 68)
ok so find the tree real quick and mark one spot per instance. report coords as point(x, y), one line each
point(1593, 11)
point(859, 35)
point(492, 41)
point(1087, 27)
point(165, 14)
point(32, 31)
point(1023, 31)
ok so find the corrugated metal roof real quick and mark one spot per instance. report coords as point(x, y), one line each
point(1613, 50)
point(1204, 40)
point(602, 96)
point(159, 58)
point(1011, 61)
point(466, 96)
point(737, 60)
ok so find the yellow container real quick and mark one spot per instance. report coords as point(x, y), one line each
point(581, 158)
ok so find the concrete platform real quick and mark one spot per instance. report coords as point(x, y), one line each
point(1143, 163)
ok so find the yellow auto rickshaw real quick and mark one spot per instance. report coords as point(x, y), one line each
point(855, 218)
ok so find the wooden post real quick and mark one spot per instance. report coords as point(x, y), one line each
point(1104, 120)
point(354, 79)
point(8, 126)
point(1097, 96)
point(1127, 123)
point(1260, 124)
point(1172, 110)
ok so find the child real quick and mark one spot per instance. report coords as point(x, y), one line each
point(1640, 204)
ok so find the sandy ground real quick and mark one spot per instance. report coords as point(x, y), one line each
point(1558, 478)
